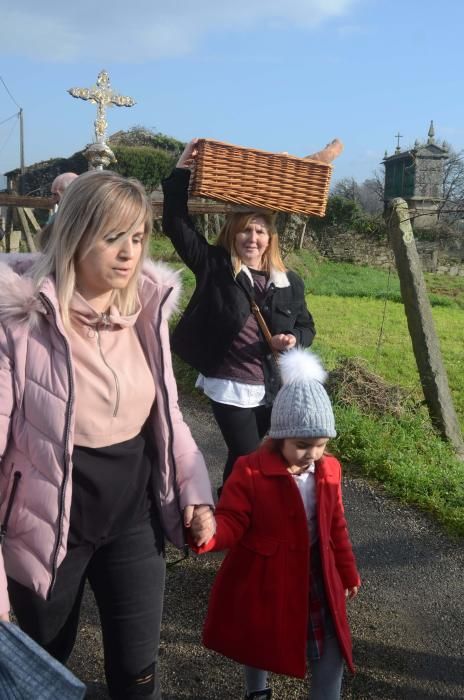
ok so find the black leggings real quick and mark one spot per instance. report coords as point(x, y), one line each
point(126, 574)
point(241, 428)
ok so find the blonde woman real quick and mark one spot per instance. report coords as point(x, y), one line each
point(97, 466)
point(218, 334)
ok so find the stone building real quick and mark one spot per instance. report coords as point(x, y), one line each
point(416, 175)
point(38, 177)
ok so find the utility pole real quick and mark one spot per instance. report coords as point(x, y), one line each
point(21, 151)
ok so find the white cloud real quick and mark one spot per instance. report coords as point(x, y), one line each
point(145, 29)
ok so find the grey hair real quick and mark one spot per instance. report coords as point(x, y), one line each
point(61, 182)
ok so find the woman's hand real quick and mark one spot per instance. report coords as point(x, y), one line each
point(283, 341)
point(200, 520)
point(4, 617)
point(189, 154)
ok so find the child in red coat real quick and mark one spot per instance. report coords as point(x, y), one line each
point(278, 601)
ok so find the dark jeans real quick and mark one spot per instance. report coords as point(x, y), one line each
point(241, 428)
point(126, 574)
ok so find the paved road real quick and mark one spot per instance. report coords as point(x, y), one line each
point(407, 622)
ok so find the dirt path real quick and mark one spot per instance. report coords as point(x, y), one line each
point(407, 622)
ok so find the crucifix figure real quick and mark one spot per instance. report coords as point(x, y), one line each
point(398, 136)
point(103, 96)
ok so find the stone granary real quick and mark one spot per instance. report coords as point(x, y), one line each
point(417, 175)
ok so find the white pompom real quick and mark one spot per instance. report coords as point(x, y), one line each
point(301, 365)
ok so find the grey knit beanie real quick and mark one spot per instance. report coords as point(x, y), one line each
point(302, 407)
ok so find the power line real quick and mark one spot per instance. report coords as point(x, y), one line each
point(8, 118)
point(6, 88)
point(8, 137)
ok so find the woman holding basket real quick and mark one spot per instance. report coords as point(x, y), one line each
point(246, 308)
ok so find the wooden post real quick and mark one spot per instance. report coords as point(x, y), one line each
point(31, 216)
point(424, 339)
point(302, 235)
point(217, 225)
point(27, 231)
point(8, 228)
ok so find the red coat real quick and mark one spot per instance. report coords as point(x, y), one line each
point(258, 609)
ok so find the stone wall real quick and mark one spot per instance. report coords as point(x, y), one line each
point(443, 256)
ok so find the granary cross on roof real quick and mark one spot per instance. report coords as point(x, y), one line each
point(103, 96)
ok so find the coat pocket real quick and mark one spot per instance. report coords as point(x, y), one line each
point(290, 309)
point(285, 315)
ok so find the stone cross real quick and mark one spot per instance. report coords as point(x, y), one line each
point(424, 339)
point(398, 136)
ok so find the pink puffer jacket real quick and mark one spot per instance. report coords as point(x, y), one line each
point(37, 423)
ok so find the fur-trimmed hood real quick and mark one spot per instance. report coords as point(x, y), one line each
point(20, 300)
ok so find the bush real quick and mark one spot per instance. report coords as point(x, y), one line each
point(147, 164)
point(348, 215)
point(140, 136)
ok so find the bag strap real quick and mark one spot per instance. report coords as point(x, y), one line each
point(256, 311)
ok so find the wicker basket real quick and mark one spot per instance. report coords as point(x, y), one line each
point(255, 178)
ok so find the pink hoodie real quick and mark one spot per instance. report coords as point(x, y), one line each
point(37, 419)
point(115, 388)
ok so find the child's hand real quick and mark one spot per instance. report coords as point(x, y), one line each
point(351, 592)
point(200, 520)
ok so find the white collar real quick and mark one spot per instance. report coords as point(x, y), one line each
point(276, 277)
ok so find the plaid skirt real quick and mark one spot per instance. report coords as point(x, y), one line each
point(320, 622)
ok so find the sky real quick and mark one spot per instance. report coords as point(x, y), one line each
point(280, 75)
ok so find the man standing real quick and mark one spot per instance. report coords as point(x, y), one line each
point(59, 184)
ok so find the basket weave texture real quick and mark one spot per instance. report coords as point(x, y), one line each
point(260, 179)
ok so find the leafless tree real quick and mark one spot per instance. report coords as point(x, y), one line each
point(368, 194)
point(452, 206)
point(347, 188)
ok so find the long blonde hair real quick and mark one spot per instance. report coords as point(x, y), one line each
point(238, 221)
point(94, 203)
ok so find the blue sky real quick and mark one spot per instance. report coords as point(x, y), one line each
point(281, 75)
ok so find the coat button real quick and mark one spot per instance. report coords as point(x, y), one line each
point(292, 513)
point(292, 547)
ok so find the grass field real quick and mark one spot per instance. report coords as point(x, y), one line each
point(359, 314)
point(377, 331)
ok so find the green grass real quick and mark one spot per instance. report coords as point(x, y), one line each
point(378, 333)
point(344, 279)
point(358, 313)
point(405, 456)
